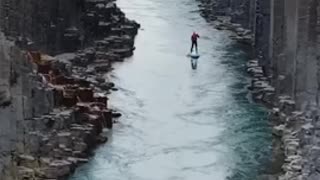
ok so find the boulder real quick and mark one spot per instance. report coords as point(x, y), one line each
point(125, 52)
point(100, 79)
point(291, 147)
point(278, 130)
point(80, 146)
point(45, 161)
point(239, 31)
point(26, 173)
point(57, 169)
point(27, 161)
point(64, 138)
point(76, 160)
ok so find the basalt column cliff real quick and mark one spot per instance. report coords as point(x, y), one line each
point(285, 37)
point(53, 94)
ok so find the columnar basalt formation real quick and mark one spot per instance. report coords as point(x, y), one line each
point(53, 94)
point(285, 71)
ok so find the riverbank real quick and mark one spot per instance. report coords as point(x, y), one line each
point(64, 106)
point(260, 88)
point(278, 80)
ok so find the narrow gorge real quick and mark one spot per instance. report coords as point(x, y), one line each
point(82, 97)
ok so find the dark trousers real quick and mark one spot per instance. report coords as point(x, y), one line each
point(194, 44)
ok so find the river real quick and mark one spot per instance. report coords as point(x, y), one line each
point(181, 123)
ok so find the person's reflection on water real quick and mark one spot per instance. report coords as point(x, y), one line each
point(194, 63)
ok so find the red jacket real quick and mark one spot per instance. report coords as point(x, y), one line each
point(194, 37)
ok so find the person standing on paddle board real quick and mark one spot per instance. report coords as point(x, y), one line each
point(194, 41)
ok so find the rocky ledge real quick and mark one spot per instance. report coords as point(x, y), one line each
point(221, 19)
point(296, 146)
point(239, 33)
point(60, 134)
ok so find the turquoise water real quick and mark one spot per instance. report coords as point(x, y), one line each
point(181, 123)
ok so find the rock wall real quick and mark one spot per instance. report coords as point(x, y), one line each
point(22, 98)
point(285, 41)
point(44, 23)
point(296, 77)
point(300, 55)
point(285, 71)
point(56, 26)
point(53, 94)
point(10, 116)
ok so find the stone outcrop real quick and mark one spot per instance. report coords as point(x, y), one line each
point(284, 71)
point(53, 94)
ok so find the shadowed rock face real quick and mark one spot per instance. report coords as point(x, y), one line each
point(55, 25)
point(53, 108)
point(41, 22)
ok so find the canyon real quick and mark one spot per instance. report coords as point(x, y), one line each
point(53, 92)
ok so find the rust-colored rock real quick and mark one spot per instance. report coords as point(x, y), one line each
point(85, 94)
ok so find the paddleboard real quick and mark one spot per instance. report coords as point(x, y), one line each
point(194, 55)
